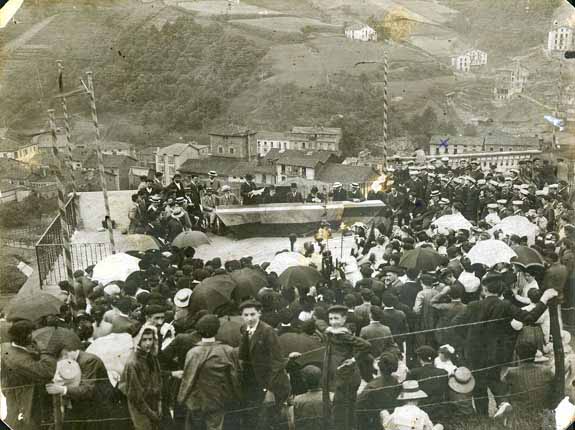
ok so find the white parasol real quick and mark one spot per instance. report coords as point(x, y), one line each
point(490, 252)
point(115, 267)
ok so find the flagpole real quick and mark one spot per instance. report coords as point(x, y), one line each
point(101, 161)
point(66, 125)
point(61, 200)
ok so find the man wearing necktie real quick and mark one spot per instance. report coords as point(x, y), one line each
point(264, 379)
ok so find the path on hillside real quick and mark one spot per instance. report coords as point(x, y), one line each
point(24, 38)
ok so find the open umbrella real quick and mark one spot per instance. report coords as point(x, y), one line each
point(490, 252)
point(191, 238)
point(115, 267)
point(310, 347)
point(422, 259)
point(32, 307)
point(518, 225)
point(249, 282)
point(229, 331)
point(284, 260)
point(138, 242)
point(53, 339)
point(299, 277)
point(213, 293)
point(452, 222)
point(527, 257)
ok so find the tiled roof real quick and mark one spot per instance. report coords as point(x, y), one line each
point(224, 166)
point(293, 157)
point(13, 169)
point(231, 130)
point(317, 130)
point(272, 135)
point(176, 148)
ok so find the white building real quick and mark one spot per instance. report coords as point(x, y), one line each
point(471, 58)
point(170, 158)
point(560, 39)
point(361, 32)
point(267, 140)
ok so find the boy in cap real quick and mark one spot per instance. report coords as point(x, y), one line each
point(341, 373)
point(294, 196)
point(210, 382)
point(308, 407)
point(408, 416)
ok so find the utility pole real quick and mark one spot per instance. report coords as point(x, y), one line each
point(385, 110)
point(66, 125)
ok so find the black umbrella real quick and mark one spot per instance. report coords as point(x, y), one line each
point(421, 259)
point(299, 277)
point(527, 257)
point(213, 293)
point(32, 307)
point(249, 282)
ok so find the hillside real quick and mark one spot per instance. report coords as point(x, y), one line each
point(178, 68)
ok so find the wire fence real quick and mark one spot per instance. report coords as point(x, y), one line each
point(58, 413)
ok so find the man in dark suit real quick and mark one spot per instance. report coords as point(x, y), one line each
point(431, 380)
point(247, 188)
point(408, 291)
point(395, 319)
point(93, 398)
point(377, 334)
point(263, 366)
point(490, 344)
point(23, 375)
point(294, 196)
point(176, 187)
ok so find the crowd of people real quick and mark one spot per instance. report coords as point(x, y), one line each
point(392, 344)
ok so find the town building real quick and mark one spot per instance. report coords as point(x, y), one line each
point(229, 170)
point(119, 165)
point(14, 172)
point(147, 157)
point(12, 193)
point(297, 164)
point(509, 82)
point(560, 39)
point(362, 32)
point(454, 145)
point(233, 142)
point(111, 147)
point(469, 59)
point(267, 140)
point(316, 138)
point(11, 146)
point(170, 158)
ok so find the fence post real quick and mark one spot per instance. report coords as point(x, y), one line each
point(57, 410)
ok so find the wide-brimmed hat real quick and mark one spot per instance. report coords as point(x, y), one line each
point(155, 198)
point(68, 373)
point(410, 391)
point(462, 381)
point(178, 212)
point(212, 173)
point(182, 298)
point(337, 185)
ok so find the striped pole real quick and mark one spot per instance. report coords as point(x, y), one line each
point(101, 160)
point(61, 200)
point(385, 110)
point(67, 127)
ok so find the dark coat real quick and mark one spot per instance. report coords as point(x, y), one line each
point(262, 354)
point(492, 343)
point(340, 347)
point(308, 410)
point(245, 189)
point(23, 378)
point(434, 382)
point(530, 387)
point(211, 378)
point(397, 323)
point(379, 394)
point(92, 399)
point(408, 293)
point(380, 338)
point(177, 189)
point(294, 198)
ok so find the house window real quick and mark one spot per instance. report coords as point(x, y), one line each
point(232, 150)
point(500, 149)
point(220, 150)
point(455, 150)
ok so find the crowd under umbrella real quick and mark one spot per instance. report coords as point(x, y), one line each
point(452, 222)
point(116, 267)
point(213, 294)
point(299, 277)
point(33, 307)
point(191, 238)
point(527, 257)
point(421, 259)
point(491, 252)
point(284, 260)
point(138, 242)
point(53, 339)
point(249, 281)
point(519, 226)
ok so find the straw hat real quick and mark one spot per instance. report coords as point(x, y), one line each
point(462, 381)
point(182, 297)
point(410, 391)
point(68, 373)
point(178, 212)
